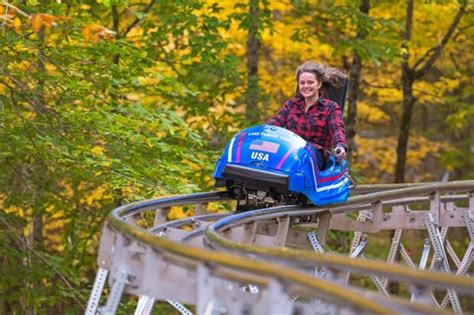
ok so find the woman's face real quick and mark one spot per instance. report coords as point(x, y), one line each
point(308, 85)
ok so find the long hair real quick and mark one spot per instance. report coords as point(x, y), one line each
point(327, 75)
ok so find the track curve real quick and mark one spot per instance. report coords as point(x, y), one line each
point(273, 260)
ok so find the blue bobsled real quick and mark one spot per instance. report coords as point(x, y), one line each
point(270, 164)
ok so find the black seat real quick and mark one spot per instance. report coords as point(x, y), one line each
point(339, 95)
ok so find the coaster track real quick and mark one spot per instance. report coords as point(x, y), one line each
point(275, 260)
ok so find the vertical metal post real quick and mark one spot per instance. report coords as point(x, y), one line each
point(282, 231)
point(144, 306)
point(205, 301)
point(323, 227)
point(116, 292)
point(469, 218)
point(96, 293)
point(160, 216)
point(425, 254)
point(250, 230)
point(360, 248)
point(416, 291)
point(200, 208)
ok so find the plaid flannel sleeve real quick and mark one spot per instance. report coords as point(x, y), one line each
point(281, 117)
point(336, 127)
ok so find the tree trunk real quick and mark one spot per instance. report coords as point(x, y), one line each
point(402, 144)
point(410, 74)
point(356, 73)
point(115, 28)
point(253, 47)
point(37, 232)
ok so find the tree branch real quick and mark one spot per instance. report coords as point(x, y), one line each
point(80, 300)
point(137, 20)
point(433, 53)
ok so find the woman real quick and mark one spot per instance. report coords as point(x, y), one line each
point(311, 115)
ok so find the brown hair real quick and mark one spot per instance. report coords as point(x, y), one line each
point(327, 75)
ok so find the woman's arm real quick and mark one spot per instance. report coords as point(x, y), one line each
point(281, 117)
point(336, 127)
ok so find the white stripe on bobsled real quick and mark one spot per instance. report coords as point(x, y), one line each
point(229, 153)
point(333, 186)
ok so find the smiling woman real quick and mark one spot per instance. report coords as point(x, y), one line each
point(311, 115)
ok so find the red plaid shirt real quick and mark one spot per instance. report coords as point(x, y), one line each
point(322, 125)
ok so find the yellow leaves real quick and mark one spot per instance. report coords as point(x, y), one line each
point(178, 213)
point(194, 166)
point(98, 194)
point(433, 92)
point(40, 20)
point(97, 150)
point(420, 147)
point(17, 24)
point(376, 158)
point(372, 114)
point(94, 32)
point(8, 15)
point(161, 134)
point(215, 207)
point(134, 36)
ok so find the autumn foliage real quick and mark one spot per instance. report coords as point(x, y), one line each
point(107, 102)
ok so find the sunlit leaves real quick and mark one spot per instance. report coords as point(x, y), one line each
point(95, 115)
point(94, 32)
point(40, 20)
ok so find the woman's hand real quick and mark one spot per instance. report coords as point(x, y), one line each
point(340, 153)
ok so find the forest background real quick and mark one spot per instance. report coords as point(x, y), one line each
point(110, 101)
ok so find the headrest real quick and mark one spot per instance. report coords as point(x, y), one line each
point(339, 95)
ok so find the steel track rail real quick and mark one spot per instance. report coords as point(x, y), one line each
point(237, 267)
point(293, 257)
point(191, 257)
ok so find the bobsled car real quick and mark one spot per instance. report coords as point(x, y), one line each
point(266, 165)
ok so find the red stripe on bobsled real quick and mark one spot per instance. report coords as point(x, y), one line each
point(239, 147)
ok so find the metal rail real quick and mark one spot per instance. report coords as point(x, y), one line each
point(168, 261)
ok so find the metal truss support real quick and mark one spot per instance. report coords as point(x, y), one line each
point(379, 285)
point(364, 215)
point(116, 292)
point(463, 267)
point(360, 248)
point(394, 246)
point(180, 307)
point(96, 293)
point(145, 305)
point(275, 300)
point(452, 254)
point(252, 288)
point(417, 293)
point(469, 218)
point(356, 248)
point(440, 258)
point(318, 248)
point(206, 303)
point(406, 257)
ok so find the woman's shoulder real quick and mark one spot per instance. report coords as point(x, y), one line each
point(293, 101)
point(329, 103)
